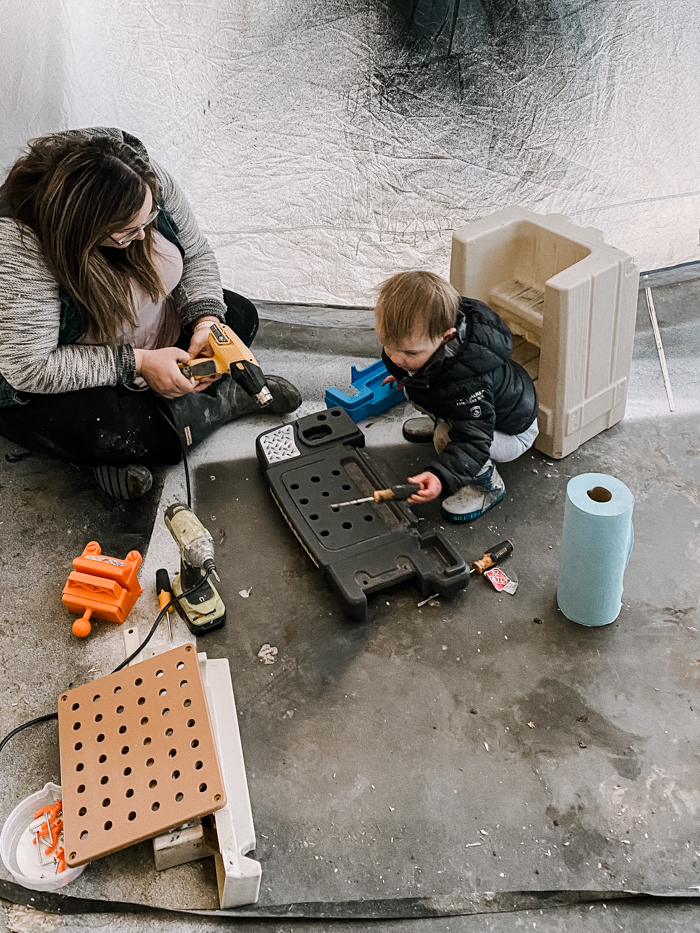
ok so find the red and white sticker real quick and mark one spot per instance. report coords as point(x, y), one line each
point(501, 581)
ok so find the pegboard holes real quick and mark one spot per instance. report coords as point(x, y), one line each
point(159, 673)
point(75, 706)
point(179, 796)
point(104, 779)
point(202, 788)
point(165, 712)
point(147, 740)
point(141, 701)
point(346, 486)
point(96, 698)
point(106, 802)
point(155, 806)
point(369, 518)
point(324, 534)
point(153, 783)
point(144, 721)
point(76, 726)
point(98, 718)
point(198, 765)
point(183, 683)
point(122, 730)
point(73, 856)
point(162, 692)
point(325, 494)
point(313, 517)
point(294, 486)
point(138, 681)
point(335, 472)
point(187, 703)
point(82, 811)
point(119, 710)
point(150, 762)
point(217, 798)
point(315, 479)
point(79, 766)
point(108, 825)
point(81, 788)
point(194, 743)
point(181, 664)
point(175, 775)
point(335, 413)
point(347, 524)
point(78, 746)
point(190, 723)
point(132, 816)
point(100, 737)
point(84, 834)
point(303, 502)
point(125, 750)
point(117, 689)
point(168, 732)
point(172, 753)
point(126, 772)
point(102, 759)
point(129, 792)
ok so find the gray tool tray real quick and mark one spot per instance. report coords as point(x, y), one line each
point(317, 460)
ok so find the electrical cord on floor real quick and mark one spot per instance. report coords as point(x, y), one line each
point(160, 616)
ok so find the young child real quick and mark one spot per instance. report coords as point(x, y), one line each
point(451, 355)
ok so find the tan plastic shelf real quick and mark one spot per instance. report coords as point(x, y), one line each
point(571, 299)
point(137, 755)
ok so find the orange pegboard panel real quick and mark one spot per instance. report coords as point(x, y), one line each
point(138, 755)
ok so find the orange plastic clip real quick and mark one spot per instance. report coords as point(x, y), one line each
point(101, 586)
point(60, 857)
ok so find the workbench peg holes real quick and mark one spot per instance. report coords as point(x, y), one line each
point(117, 689)
point(346, 486)
point(334, 508)
point(175, 775)
point(104, 779)
point(313, 517)
point(335, 472)
point(81, 788)
point(147, 740)
point(120, 710)
point(315, 479)
point(138, 681)
point(202, 788)
point(347, 524)
point(106, 802)
point(183, 683)
point(98, 718)
point(325, 494)
point(187, 703)
point(96, 698)
point(78, 746)
point(172, 753)
point(144, 721)
point(165, 712)
point(294, 486)
point(190, 723)
point(194, 743)
point(369, 518)
point(335, 413)
point(122, 730)
point(101, 737)
point(84, 834)
point(108, 825)
point(102, 759)
point(153, 783)
point(179, 796)
point(82, 811)
point(79, 766)
point(155, 805)
point(162, 692)
point(168, 733)
point(129, 792)
point(141, 701)
point(198, 765)
point(320, 417)
point(75, 706)
point(303, 502)
point(159, 673)
point(76, 726)
point(150, 762)
point(181, 664)
point(125, 750)
point(324, 534)
point(126, 772)
point(132, 816)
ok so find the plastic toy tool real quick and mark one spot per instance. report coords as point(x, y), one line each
point(372, 397)
point(101, 587)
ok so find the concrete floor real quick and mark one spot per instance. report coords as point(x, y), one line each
point(654, 452)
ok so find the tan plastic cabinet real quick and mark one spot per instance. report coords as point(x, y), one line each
point(571, 302)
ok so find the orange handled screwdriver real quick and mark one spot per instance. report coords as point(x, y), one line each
point(165, 594)
point(492, 557)
point(402, 491)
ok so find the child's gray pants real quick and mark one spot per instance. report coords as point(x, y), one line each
point(504, 447)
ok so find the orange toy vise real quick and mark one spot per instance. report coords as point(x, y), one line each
point(101, 586)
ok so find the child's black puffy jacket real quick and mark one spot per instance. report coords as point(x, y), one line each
point(473, 384)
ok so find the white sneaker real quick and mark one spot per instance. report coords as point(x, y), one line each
point(419, 430)
point(470, 502)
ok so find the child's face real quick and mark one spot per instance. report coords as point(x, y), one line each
point(415, 350)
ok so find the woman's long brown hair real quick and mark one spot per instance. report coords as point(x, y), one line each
point(74, 192)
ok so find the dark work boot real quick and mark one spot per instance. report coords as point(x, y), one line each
point(199, 414)
point(129, 482)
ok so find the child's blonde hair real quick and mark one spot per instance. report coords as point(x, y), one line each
point(415, 303)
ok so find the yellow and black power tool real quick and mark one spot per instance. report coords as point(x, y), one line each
point(231, 356)
point(203, 610)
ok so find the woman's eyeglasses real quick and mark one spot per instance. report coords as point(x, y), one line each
point(132, 234)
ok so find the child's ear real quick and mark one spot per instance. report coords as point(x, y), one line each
point(449, 334)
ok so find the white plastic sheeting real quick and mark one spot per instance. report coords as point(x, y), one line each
point(326, 145)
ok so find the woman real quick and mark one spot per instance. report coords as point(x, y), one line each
point(106, 284)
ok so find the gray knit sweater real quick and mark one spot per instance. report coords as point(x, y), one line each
point(31, 359)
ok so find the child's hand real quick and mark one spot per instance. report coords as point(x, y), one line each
point(430, 487)
point(391, 380)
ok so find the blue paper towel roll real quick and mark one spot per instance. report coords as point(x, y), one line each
point(596, 545)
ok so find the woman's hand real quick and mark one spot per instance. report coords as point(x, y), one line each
point(430, 487)
point(160, 370)
point(199, 344)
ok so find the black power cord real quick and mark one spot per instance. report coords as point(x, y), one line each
point(161, 614)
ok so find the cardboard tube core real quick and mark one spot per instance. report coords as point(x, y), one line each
point(599, 494)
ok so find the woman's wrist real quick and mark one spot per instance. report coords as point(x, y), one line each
point(206, 321)
point(138, 360)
